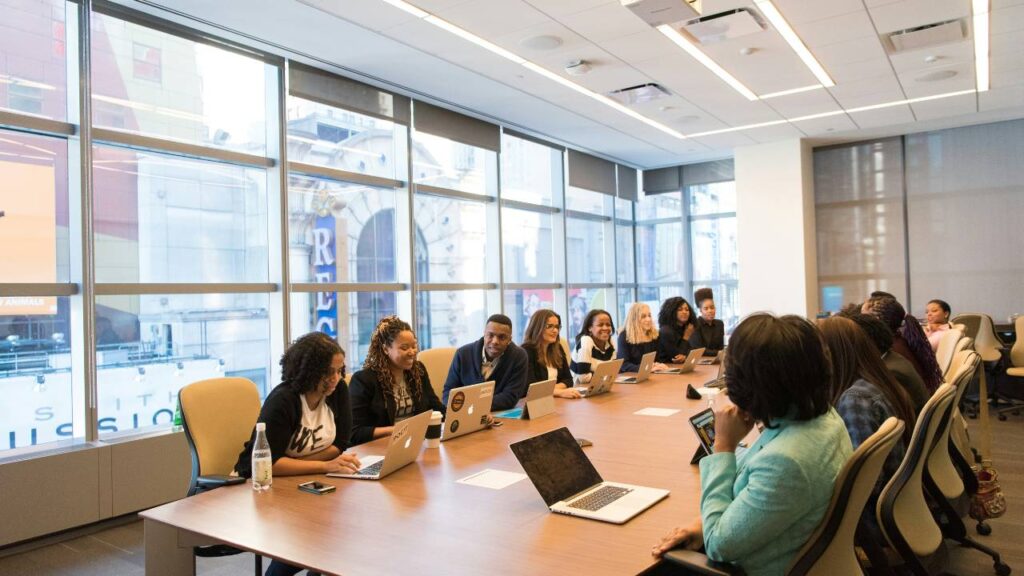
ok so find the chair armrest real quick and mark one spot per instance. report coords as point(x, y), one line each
point(698, 563)
point(216, 481)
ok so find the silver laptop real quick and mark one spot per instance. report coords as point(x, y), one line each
point(688, 364)
point(403, 448)
point(570, 484)
point(719, 380)
point(716, 359)
point(468, 410)
point(602, 379)
point(646, 362)
point(539, 401)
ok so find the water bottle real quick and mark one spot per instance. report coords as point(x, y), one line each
point(262, 463)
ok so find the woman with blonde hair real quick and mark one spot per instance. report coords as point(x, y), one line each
point(638, 337)
point(545, 356)
point(392, 386)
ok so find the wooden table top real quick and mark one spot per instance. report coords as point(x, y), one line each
point(419, 520)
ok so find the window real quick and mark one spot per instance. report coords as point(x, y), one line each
point(349, 316)
point(715, 257)
point(583, 300)
point(453, 317)
point(33, 66)
point(659, 238)
point(530, 172)
point(521, 304)
point(451, 239)
point(444, 163)
point(528, 246)
point(146, 63)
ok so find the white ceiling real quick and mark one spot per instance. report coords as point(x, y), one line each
point(391, 47)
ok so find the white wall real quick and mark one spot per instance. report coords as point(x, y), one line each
point(775, 228)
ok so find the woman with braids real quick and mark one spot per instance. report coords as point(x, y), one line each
point(392, 385)
point(908, 340)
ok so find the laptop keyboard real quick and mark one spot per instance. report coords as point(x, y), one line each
point(372, 469)
point(599, 498)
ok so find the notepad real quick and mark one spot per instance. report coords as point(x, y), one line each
point(656, 412)
point(493, 479)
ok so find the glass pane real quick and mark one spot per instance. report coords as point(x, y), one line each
point(148, 347)
point(660, 206)
point(336, 138)
point(582, 200)
point(625, 269)
point(528, 251)
point(653, 296)
point(726, 303)
point(341, 232)
point(581, 301)
point(585, 250)
point(530, 172)
point(626, 298)
point(34, 202)
point(152, 83)
point(451, 317)
point(163, 218)
point(712, 198)
point(660, 256)
point(350, 317)
point(451, 236)
point(35, 372)
point(33, 73)
point(445, 163)
point(715, 256)
point(521, 304)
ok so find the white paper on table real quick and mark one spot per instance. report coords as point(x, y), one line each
point(708, 392)
point(656, 412)
point(493, 479)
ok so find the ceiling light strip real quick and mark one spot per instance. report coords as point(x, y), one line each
point(981, 43)
point(793, 91)
point(775, 17)
point(691, 49)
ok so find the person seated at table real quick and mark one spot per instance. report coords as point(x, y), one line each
point(865, 394)
point(908, 338)
point(676, 324)
point(936, 316)
point(545, 356)
point(593, 345)
point(493, 357)
point(900, 368)
point(638, 337)
point(393, 385)
point(307, 418)
point(758, 510)
point(708, 333)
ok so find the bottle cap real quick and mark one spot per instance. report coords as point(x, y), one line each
point(261, 426)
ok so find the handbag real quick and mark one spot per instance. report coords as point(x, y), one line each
point(988, 501)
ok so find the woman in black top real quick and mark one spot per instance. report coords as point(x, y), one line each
point(545, 356)
point(708, 333)
point(675, 326)
point(392, 385)
point(638, 337)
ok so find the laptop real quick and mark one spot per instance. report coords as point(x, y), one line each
point(570, 484)
point(688, 364)
point(719, 380)
point(716, 359)
point(403, 448)
point(703, 424)
point(602, 379)
point(646, 362)
point(468, 410)
point(539, 401)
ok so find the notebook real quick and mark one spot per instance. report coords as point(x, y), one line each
point(688, 364)
point(646, 361)
point(602, 380)
point(539, 402)
point(403, 448)
point(468, 410)
point(569, 483)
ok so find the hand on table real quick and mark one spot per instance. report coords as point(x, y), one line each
point(689, 537)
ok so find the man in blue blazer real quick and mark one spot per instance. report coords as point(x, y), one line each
point(493, 357)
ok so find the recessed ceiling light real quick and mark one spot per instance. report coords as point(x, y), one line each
point(792, 91)
point(541, 42)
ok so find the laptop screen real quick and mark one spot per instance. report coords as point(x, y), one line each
point(556, 465)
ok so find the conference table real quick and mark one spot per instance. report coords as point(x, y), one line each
point(419, 520)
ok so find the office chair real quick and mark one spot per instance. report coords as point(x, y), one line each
point(947, 346)
point(948, 469)
point(1015, 371)
point(437, 361)
point(218, 416)
point(830, 550)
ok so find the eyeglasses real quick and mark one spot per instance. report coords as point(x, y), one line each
point(553, 327)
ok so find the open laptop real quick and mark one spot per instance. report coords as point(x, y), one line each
point(719, 380)
point(570, 484)
point(688, 364)
point(539, 401)
point(468, 410)
point(716, 359)
point(403, 448)
point(602, 380)
point(646, 362)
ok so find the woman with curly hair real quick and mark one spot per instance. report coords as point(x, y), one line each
point(392, 385)
point(676, 323)
point(909, 339)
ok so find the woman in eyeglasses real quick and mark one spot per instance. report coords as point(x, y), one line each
point(544, 353)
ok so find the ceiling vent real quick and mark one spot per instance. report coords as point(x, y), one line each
point(638, 94)
point(724, 26)
point(658, 12)
point(926, 36)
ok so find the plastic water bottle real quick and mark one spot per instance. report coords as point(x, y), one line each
point(262, 463)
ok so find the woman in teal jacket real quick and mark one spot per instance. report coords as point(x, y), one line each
point(758, 509)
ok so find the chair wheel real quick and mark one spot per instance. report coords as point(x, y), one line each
point(1002, 417)
point(1002, 569)
point(983, 529)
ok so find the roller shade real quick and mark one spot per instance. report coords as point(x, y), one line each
point(708, 172)
point(591, 173)
point(533, 139)
point(326, 88)
point(627, 182)
point(662, 181)
point(454, 126)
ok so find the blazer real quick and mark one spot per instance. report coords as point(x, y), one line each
point(509, 376)
point(711, 337)
point(539, 372)
point(759, 509)
point(371, 409)
point(671, 343)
